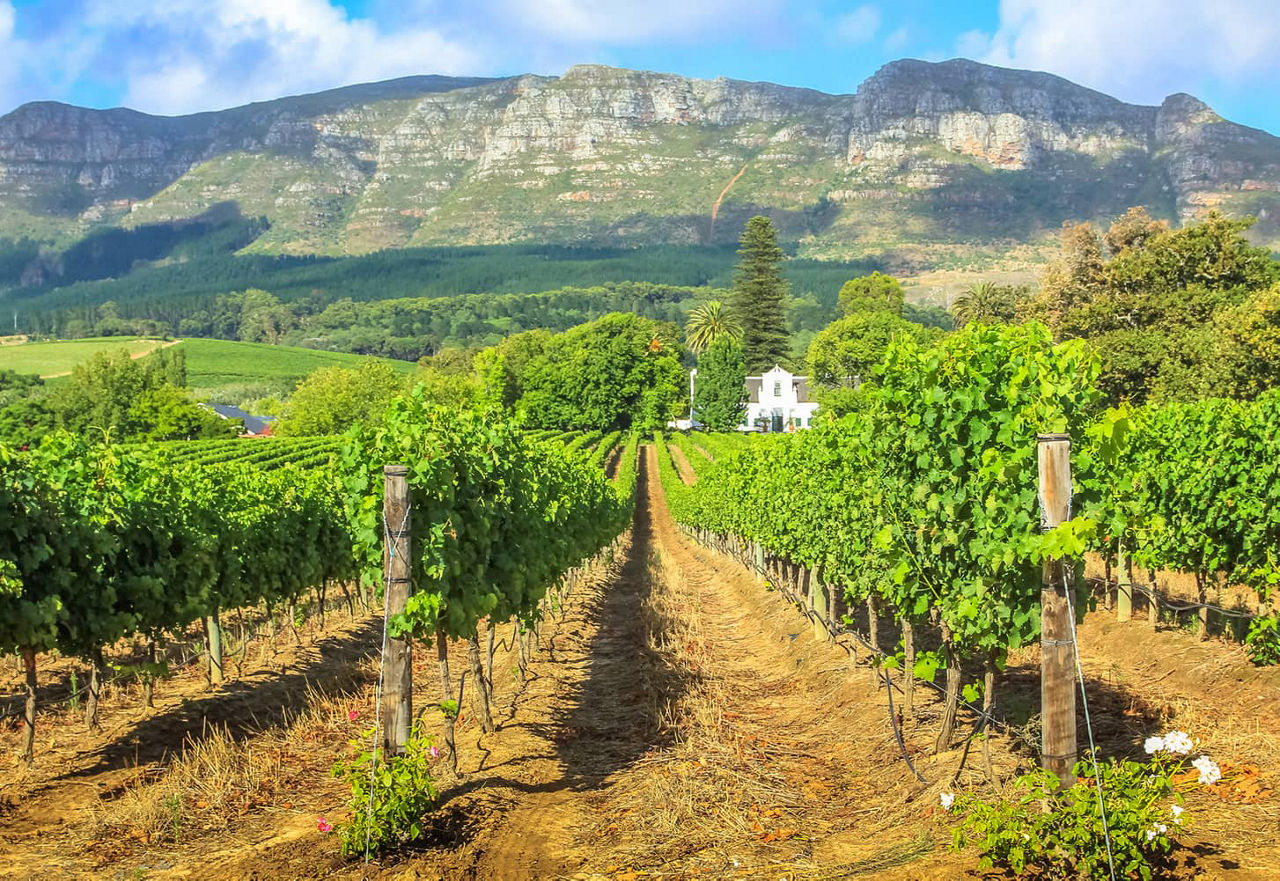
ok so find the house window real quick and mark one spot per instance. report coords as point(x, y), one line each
point(777, 389)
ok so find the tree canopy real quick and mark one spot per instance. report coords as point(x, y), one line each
point(112, 396)
point(1156, 302)
point(332, 399)
point(849, 352)
point(616, 372)
point(720, 393)
point(760, 293)
point(876, 292)
point(708, 323)
point(989, 303)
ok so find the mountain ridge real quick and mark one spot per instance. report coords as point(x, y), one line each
point(930, 161)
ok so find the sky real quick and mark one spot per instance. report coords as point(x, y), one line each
point(182, 56)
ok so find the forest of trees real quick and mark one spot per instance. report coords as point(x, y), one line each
point(1175, 315)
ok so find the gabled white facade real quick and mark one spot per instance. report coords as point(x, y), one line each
point(778, 401)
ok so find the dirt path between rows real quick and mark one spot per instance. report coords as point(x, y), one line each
point(681, 461)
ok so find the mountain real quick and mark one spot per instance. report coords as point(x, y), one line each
point(928, 164)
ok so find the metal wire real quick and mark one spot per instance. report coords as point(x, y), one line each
point(837, 632)
point(1088, 723)
point(1175, 605)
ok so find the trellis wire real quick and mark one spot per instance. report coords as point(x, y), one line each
point(1088, 723)
point(1176, 605)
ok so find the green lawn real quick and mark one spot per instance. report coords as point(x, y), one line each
point(56, 359)
point(211, 364)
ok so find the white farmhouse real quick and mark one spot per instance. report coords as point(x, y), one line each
point(778, 401)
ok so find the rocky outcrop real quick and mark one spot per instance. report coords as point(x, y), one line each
point(922, 153)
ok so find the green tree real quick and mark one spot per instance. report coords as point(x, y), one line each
point(1158, 308)
point(988, 303)
point(15, 386)
point(117, 396)
point(102, 391)
point(332, 399)
point(849, 352)
point(708, 323)
point(876, 292)
point(25, 422)
point(263, 318)
point(720, 392)
point(501, 368)
point(616, 372)
point(168, 413)
point(1247, 362)
point(760, 296)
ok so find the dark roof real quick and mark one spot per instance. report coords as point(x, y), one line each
point(802, 389)
point(252, 424)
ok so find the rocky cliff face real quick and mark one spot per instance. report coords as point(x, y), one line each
point(924, 161)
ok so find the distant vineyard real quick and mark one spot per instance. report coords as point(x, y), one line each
point(316, 452)
point(304, 452)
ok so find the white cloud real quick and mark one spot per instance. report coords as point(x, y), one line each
point(10, 55)
point(181, 56)
point(858, 26)
point(898, 40)
point(626, 22)
point(1139, 50)
point(197, 57)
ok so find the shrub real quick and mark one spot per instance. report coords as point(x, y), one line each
point(1059, 832)
point(1263, 641)
point(403, 791)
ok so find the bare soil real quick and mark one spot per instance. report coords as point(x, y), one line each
point(687, 474)
point(679, 720)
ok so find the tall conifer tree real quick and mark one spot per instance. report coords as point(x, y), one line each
point(759, 296)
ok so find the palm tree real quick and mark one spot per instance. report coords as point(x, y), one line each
point(708, 323)
point(987, 302)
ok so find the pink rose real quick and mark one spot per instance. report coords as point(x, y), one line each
point(323, 825)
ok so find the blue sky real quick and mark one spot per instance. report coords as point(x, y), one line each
point(180, 56)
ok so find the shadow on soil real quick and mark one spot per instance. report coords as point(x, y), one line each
point(612, 720)
point(243, 707)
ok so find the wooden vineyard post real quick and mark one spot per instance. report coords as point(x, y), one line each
point(214, 628)
point(1124, 592)
point(29, 709)
point(818, 603)
point(397, 658)
point(759, 562)
point(1058, 747)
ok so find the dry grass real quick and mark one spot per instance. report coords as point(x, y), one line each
point(213, 782)
point(708, 786)
point(217, 779)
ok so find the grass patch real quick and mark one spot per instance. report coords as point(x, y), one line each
point(58, 358)
point(217, 364)
point(212, 365)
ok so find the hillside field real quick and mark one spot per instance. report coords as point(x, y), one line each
point(211, 364)
point(49, 360)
